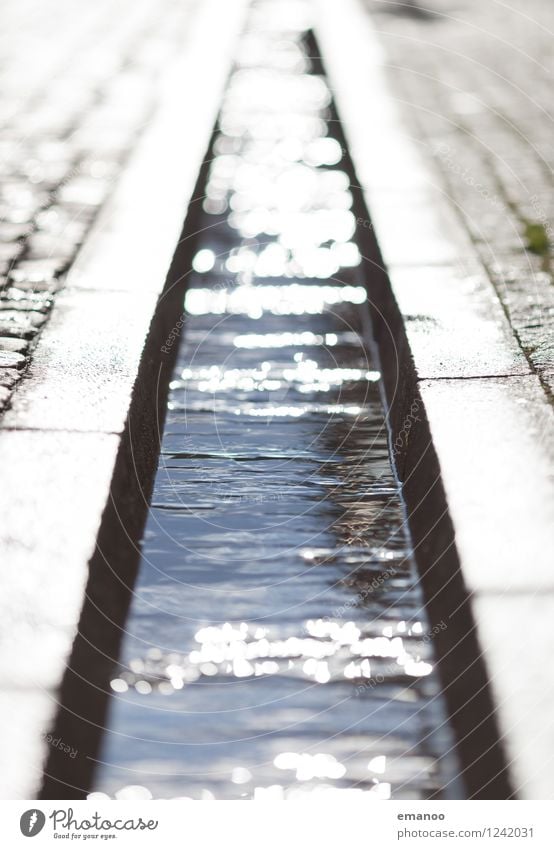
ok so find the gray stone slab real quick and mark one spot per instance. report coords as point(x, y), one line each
point(416, 228)
point(517, 633)
point(495, 442)
point(11, 359)
point(8, 377)
point(23, 742)
point(455, 324)
point(54, 487)
point(8, 343)
point(82, 373)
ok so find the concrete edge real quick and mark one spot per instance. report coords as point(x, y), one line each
point(52, 523)
point(480, 519)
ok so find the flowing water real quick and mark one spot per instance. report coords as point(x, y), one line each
point(277, 644)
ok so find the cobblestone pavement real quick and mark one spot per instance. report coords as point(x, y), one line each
point(78, 83)
point(474, 83)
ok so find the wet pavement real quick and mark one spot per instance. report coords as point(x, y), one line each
point(277, 643)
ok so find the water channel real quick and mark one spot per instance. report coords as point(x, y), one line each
point(277, 643)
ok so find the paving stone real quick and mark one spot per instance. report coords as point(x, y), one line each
point(19, 346)
point(15, 215)
point(43, 246)
point(35, 272)
point(22, 305)
point(455, 324)
point(12, 314)
point(5, 394)
point(22, 744)
point(9, 377)
point(56, 227)
point(547, 380)
point(29, 285)
point(11, 359)
point(20, 324)
point(9, 251)
point(414, 230)
point(36, 544)
point(10, 232)
point(527, 294)
point(14, 297)
point(495, 441)
point(517, 632)
point(84, 191)
point(84, 368)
